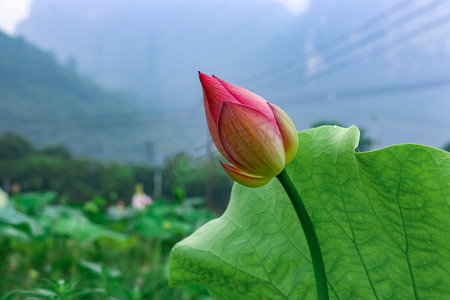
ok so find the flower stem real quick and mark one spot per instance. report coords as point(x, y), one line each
point(310, 234)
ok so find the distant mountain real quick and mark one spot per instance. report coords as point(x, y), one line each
point(52, 103)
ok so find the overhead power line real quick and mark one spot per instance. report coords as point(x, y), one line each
point(337, 40)
point(340, 65)
point(67, 124)
point(368, 92)
point(380, 33)
point(367, 24)
point(349, 49)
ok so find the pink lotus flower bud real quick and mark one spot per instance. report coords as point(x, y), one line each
point(140, 200)
point(256, 136)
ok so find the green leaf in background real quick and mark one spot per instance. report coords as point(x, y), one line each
point(147, 226)
point(30, 202)
point(57, 290)
point(100, 269)
point(12, 232)
point(12, 217)
point(382, 219)
point(84, 230)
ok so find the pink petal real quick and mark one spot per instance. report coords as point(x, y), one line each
point(244, 178)
point(251, 140)
point(214, 131)
point(214, 94)
point(288, 132)
point(246, 97)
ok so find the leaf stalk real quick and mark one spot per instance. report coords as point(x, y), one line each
point(310, 234)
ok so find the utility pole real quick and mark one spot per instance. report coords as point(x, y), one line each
point(155, 159)
point(150, 153)
point(158, 177)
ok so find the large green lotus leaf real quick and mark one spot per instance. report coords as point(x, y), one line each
point(85, 230)
point(382, 219)
point(12, 217)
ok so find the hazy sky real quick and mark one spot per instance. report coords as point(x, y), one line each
point(12, 12)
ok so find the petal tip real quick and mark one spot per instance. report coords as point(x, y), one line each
point(244, 178)
point(204, 78)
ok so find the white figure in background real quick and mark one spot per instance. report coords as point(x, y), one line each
point(3, 198)
point(140, 199)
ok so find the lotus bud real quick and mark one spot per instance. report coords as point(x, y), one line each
point(256, 136)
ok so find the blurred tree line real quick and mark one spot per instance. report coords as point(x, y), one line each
point(82, 179)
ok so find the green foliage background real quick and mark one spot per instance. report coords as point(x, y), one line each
point(50, 251)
